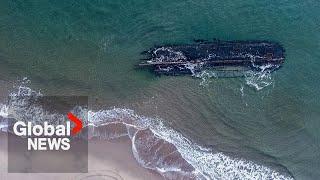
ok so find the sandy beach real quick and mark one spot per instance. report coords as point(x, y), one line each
point(107, 160)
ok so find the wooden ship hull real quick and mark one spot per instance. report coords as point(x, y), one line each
point(217, 55)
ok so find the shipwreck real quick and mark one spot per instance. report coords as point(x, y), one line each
point(232, 57)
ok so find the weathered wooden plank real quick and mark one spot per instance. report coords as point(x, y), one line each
point(177, 58)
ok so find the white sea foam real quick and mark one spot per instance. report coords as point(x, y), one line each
point(241, 90)
point(171, 55)
point(3, 127)
point(206, 163)
point(3, 116)
point(259, 79)
point(3, 110)
point(204, 75)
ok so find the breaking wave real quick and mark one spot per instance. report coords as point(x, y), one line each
point(161, 148)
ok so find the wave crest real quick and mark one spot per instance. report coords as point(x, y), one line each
point(163, 149)
point(179, 158)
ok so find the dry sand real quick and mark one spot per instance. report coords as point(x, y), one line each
point(107, 160)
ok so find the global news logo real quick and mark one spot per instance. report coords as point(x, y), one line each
point(48, 130)
point(47, 136)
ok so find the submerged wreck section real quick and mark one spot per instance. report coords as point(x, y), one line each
point(220, 56)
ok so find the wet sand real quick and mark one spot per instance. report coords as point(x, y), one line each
point(107, 160)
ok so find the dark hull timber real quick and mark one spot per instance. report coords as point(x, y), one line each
point(216, 55)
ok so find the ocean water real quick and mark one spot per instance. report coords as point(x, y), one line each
point(92, 47)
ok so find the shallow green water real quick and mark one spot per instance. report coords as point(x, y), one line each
point(91, 47)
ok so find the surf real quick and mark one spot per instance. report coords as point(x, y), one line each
point(157, 146)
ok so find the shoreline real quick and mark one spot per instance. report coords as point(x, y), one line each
point(114, 158)
point(107, 159)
